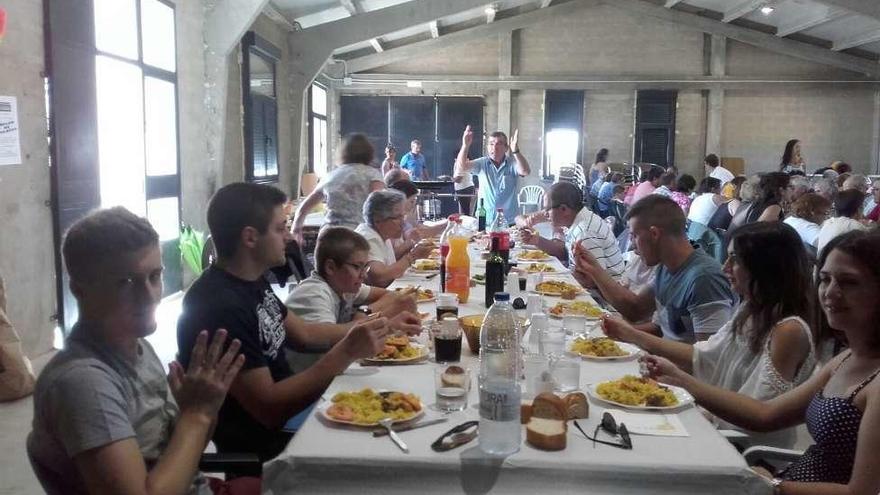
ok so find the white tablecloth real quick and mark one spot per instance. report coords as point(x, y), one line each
point(328, 459)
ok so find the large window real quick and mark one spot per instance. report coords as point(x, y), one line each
point(318, 130)
point(563, 124)
point(655, 127)
point(136, 99)
point(260, 108)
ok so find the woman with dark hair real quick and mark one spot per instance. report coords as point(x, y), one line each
point(771, 196)
point(767, 348)
point(720, 221)
point(684, 186)
point(345, 189)
point(599, 168)
point(840, 403)
point(792, 160)
point(848, 205)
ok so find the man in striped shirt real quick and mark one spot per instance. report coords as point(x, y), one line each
point(564, 203)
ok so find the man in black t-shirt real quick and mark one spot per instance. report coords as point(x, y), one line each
point(247, 224)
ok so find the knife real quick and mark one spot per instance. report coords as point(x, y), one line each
point(382, 432)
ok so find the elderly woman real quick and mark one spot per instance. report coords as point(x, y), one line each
point(384, 215)
point(344, 189)
point(807, 215)
point(849, 215)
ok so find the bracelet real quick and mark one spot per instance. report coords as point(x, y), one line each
point(515, 152)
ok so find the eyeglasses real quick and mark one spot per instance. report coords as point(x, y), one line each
point(361, 269)
point(610, 426)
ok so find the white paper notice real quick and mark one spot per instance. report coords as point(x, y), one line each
point(657, 424)
point(10, 147)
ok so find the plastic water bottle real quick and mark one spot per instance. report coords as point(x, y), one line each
point(499, 230)
point(500, 357)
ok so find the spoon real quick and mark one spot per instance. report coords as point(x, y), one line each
point(386, 423)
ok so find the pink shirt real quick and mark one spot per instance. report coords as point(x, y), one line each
point(642, 190)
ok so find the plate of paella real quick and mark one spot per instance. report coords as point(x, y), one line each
point(633, 392)
point(366, 407)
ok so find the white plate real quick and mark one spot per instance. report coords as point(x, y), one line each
point(631, 350)
point(588, 318)
point(322, 410)
point(423, 354)
point(533, 260)
point(683, 396)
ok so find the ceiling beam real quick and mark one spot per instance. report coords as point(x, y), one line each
point(352, 7)
point(742, 8)
point(752, 37)
point(273, 13)
point(476, 84)
point(791, 26)
point(481, 32)
point(544, 4)
point(434, 26)
point(870, 8)
point(377, 45)
point(671, 3)
point(227, 22)
point(857, 39)
point(490, 13)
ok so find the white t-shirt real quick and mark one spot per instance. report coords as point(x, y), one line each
point(702, 208)
point(467, 180)
point(836, 226)
point(722, 174)
point(808, 230)
point(380, 249)
point(726, 361)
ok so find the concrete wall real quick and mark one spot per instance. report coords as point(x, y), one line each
point(835, 123)
point(26, 251)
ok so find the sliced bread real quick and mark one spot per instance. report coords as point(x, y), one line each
point(549, 406)
point(546, 434)
point(577, 406)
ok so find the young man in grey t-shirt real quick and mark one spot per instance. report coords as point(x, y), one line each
point(105, 418)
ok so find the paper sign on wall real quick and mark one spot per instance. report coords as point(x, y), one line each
point(10, 147)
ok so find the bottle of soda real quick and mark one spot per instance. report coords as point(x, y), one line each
point(499, 230)
point(481, 217)
point(500, 354)
point(494, 273)
point(444, 249)
point(458, 264)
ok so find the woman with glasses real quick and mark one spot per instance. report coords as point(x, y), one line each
point(841, 403)
point(384, 217)
point(767, 348)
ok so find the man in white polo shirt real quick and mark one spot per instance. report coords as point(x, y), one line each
point(716, 170)
point(581, 226)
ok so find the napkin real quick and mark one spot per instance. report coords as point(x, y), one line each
point(654, 424)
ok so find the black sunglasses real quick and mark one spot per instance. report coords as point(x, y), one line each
point(609, 425)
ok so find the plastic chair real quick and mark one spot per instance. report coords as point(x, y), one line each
point(765, 453)
point(530, 196)
point(707, 239)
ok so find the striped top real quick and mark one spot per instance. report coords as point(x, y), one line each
point(595, 234)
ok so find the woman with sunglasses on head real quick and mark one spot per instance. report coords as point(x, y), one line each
point(767, 349)
point(841, 403)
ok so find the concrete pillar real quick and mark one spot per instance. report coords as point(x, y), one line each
point(505, 69)
point(875, 140)
point(717, 68)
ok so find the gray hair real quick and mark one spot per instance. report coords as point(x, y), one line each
point(799, 185)
point(856, 181)
point(825, 185)
point(748, 191)
point(395, 175)
point(380, 205)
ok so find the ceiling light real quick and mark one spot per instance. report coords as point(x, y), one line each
point(767, 10)
point(490, 10)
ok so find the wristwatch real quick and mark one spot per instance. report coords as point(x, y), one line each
point(515, 152)
point(364, 310)
point(776, 483)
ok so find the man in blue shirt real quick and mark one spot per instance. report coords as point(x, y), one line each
point(497, 171)
point(690, 294)
point(414, 161)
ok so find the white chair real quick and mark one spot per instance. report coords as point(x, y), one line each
point(579, 175)
point(530, 196)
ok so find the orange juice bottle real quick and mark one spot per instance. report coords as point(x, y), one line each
point(458, 265)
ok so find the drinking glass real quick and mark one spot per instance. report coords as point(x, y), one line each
point(566, 373)
point(452, 384)
point(534, 365)
point(552, 342)
point(574, 324)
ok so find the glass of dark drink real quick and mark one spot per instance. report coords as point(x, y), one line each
point(447, 305)
point(447, 342)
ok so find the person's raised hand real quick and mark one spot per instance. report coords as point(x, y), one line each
point(202, 388)
point(393, 302)
point(366, 338)
point(529, 236)
point(406, 322)
point(662, 370)
point(514, 141)
point(468, 137)
point(422, 250)
point(413, 236)
point(617, 329)
point(584, 260)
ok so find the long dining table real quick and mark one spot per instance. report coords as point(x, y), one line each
point(328, 458)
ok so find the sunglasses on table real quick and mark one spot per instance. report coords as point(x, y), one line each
point(609, 425)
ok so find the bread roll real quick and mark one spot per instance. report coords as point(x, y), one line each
point(546, 434)
point(576, 406)
point(549, 406)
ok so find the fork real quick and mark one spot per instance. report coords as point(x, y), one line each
point(386, 423)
